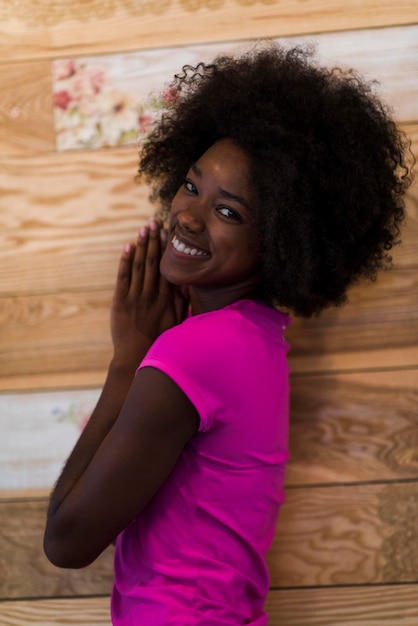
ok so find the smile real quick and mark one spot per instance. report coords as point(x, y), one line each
point(185, 249)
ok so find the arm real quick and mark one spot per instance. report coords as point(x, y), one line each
point(138, 428)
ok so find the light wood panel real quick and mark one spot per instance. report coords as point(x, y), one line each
point(380, 605)
point(45, 29)
point(352, 534)
point(377, 328)
point(353, 427)
point(26, 121)
point(383, 605)
point(78, 208)
point(75, 611)
point(344, 428)
point(62, 332)
point(68, 332)
point(64, 228)
point(388, 55)
point(341, 535)
point(24, 569)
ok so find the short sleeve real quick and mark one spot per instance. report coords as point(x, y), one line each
point(184, 354)
point(229, 363)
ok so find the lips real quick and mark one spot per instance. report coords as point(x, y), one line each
point(188, 249)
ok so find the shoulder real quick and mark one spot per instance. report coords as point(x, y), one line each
point(228, 328)
point(242, 335)
point(214, 356)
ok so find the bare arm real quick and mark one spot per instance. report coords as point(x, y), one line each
point(138, 428)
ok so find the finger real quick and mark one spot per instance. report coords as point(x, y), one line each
point(152, 261)
point(124, 274)
point(163, 239)
point(139, 260)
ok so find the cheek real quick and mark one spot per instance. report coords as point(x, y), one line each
point(243, 256)
point(174, 208)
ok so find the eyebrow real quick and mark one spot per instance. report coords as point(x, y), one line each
point(223, 192)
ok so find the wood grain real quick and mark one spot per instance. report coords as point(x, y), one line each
point(377, 328)
point(26, 122)
point(24, 569)
point(26, 114)
point(382, 605)
point(345, 428)
point(75, 227)
point(49, 29)
point(63, 332)
point(347, 535)
point(75, 611)
point(345, 552)
point(353, 427)
point(358, 534)
point(68, 332)
point(64, 228)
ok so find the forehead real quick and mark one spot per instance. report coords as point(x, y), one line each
point(227, 164)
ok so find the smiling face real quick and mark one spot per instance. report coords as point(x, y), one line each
point(212, 244)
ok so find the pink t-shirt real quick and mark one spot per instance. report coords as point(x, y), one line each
point(196, 554)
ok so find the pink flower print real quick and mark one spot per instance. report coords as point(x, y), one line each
point(97, 79)
point(64, 68)
point(87, 83)
point(145, 122)
point(62, 99)
point(170, 96)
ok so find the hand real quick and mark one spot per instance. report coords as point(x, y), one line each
point(144, 304)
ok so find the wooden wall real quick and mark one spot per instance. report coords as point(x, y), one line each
point(346, 550)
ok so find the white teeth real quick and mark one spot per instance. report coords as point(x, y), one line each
point(180, 247)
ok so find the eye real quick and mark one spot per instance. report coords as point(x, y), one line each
point(230, 213)
point(190, 186)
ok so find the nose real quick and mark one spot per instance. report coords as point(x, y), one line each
point(191, 218)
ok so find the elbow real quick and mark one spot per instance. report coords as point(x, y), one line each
point(62, 557)
point(61, 551)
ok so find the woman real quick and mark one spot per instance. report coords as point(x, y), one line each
point(283, 183)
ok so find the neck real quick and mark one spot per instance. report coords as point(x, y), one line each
point(203, 301)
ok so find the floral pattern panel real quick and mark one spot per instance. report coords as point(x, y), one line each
point(39, 431)
point(114, 100)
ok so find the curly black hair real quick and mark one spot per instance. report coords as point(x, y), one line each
point(329, 165)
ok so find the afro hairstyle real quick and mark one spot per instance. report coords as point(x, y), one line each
point(329, 167)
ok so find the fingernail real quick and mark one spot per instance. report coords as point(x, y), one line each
point(143, 231)
point(153, 225)
point(163, 236)
point(127, 247)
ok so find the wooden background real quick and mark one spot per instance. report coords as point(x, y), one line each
point(346, 550)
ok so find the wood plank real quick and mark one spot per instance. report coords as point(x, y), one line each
point(353, 427)
point(34, 381)
point(345, 535)
point(64, 228)
point(116, 86)
point(39, 431)
point(25, 571)
point(388, 55)
point(380, 605)
point(26, 120)
point(49, 29)
point(75, 611)
point(68, 333)
point(76, 226)
point(377, 328)
point(344, 428)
